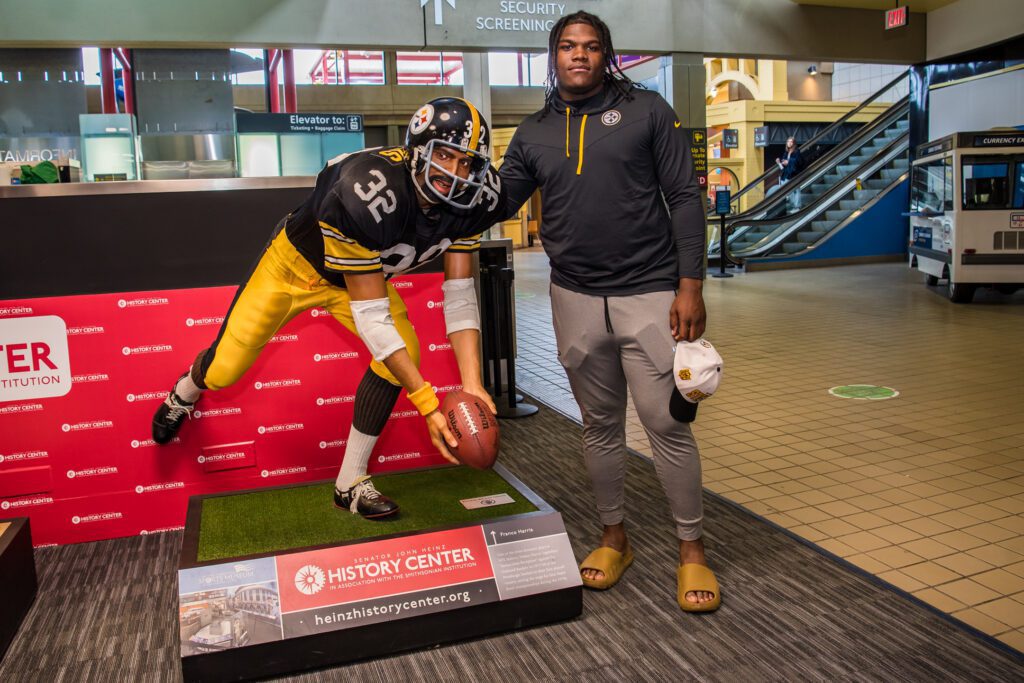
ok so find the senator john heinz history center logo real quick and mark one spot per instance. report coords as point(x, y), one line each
point(310, 579)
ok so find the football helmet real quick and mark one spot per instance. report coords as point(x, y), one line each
point(454, 123)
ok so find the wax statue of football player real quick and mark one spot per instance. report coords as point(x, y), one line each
point(373, 214)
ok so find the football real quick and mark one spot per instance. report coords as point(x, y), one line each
point(475, 428)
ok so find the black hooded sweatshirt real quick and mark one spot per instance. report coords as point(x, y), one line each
point(622, 211)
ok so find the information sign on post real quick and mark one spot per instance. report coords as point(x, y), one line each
point(731, 138)
point(723, 200)
point(723, 197)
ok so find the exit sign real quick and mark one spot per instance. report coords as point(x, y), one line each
point(895, 18)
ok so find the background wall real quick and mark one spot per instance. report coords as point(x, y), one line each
point(970, 24)
point(768, 28)
point(183, 91)
point(801, 85)
point(989, 102)
point(856, 82)
point(42, 92)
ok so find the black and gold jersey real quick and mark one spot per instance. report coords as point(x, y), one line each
point(364, 217)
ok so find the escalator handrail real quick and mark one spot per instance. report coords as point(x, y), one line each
point(855, 173)
point(814, 139)
point(875, 129)
point(823, 164)
point(885, 155)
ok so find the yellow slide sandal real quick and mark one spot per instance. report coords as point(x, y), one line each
point(607, 560)
point(696, 577)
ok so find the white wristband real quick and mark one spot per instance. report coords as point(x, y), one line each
point(376, 327)
point(460, 308)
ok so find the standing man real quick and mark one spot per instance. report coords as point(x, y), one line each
point(624, 230)
point(373, 214)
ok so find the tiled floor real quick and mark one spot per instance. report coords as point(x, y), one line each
point(926, 490)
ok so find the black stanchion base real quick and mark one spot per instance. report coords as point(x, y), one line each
point(721, 275)
point(518, 410)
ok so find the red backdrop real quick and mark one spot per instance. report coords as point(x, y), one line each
point(83, 466)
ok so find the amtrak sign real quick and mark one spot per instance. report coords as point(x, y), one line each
point(506, 16)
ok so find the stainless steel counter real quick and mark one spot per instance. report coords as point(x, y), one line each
point(154, 186)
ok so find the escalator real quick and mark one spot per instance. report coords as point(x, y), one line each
point(847, 204)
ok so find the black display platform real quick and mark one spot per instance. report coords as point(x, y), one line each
point(18, 571)
point(303, 608)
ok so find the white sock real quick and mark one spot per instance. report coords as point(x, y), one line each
point(187, 390)
point(357, 458)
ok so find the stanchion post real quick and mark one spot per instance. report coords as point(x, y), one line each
point(507, 342)
point(722, 207)
point(486, 333)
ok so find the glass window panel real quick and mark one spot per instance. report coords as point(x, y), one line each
point(419, 68)
point(247, 66)
point(361, 67)
point(91, 65)
point(452, 70)
point(334, 144)
point(947, 187)
point(928, 187)
point(300, 154)
point(504, 68)
point(259, 155)
point(986, 184)
point(1018, 194)
point(306, 62)
point(538, 68)
point(113, 157)
point(430, 68)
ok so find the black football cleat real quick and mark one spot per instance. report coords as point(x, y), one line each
point(364, 499)
point(170, 416)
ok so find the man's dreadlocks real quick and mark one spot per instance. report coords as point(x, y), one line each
point(613, 75)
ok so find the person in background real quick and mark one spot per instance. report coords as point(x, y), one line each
point(791, 163)
point(789, 166)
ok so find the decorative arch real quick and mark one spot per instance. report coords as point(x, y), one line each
point(756, 75)
point(743, 79)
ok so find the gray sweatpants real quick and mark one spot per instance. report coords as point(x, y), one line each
point(606, 344)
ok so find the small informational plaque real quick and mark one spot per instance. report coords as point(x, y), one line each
point(487, 501)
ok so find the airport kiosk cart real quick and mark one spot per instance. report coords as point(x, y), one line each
point(967, 212)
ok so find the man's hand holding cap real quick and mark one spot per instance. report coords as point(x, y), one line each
point(697, 371)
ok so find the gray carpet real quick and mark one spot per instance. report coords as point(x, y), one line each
point(107, 611)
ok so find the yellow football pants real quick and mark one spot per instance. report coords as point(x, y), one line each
point(282, 285)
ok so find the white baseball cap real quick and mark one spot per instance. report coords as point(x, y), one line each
point(697, 371)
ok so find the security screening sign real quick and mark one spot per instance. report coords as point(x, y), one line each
point(34, 358)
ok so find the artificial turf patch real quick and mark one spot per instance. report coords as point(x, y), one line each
point(304, 515)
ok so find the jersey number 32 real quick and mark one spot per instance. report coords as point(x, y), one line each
point(377, 202)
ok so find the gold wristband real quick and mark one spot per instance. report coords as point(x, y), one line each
point(425, 399)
